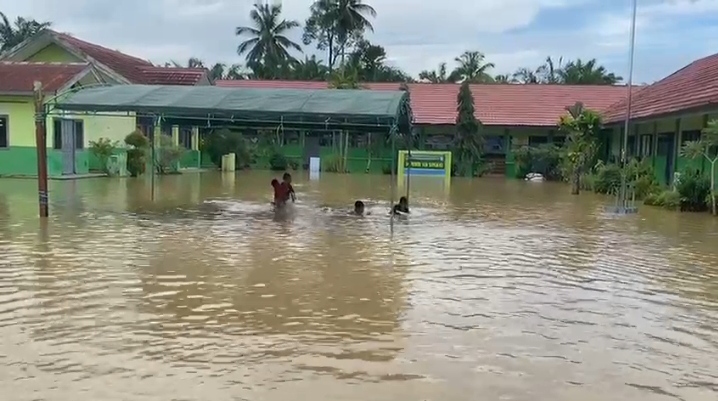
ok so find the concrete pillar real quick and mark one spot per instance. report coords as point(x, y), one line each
point(175, 135)
point(195, 138)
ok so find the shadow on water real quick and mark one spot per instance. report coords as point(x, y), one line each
point(501, 288)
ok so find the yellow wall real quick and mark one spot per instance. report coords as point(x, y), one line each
point(21, 123)
point(54, 53)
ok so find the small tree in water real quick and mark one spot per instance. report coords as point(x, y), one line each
point(581, 127)
point(706, 146)
point(469, 143)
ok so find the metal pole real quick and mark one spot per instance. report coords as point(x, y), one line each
point(152, 157)
point(626, 127)
point(41, 145)
point(408, 172)
point(393, 178)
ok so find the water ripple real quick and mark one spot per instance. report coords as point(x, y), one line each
point(508, 290)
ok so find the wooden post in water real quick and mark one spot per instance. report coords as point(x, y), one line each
point(393, 179)
point(41, 146)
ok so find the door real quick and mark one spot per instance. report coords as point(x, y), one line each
point(312, 148)
point(67, 132)
point(665, 148)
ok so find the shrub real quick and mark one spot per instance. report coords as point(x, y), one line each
point(544, 159)
point(103, 149)
point(694, 189)
point(606, 178)
point(333, 164)
point(278, 162)
point(167, 156)
point(223, 141)
point(136, 161)
point(668, 199)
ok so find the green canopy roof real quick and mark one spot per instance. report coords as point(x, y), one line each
point(300, 108)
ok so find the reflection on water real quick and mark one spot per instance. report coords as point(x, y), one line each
point(492, 290)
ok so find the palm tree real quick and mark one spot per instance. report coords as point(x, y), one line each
point(268, 46)
point(526, 76)
point(503, 79)
point(472, 68)
point(311, 69)
point(438, 76)
point(550, 71)
point(11, 36)
point(351, 18)
point(587, 73)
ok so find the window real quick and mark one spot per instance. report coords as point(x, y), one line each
point(4, 132)
point(57, 134)
point(646, 145)
point(537, 140)
point(689, 136)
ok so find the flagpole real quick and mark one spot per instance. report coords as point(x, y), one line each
point(626, 128)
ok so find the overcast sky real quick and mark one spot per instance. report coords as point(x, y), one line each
point(417, 34)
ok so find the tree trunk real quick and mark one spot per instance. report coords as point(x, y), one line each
point(575, 182)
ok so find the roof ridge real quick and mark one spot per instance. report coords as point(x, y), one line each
point(67, 36)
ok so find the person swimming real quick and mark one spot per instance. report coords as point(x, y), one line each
point(402, 207)
point(359, 208)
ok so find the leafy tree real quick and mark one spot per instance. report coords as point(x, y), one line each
point(12, 34)
point(268, 47)
point(369, 61)
point(581, 127)
point(468, 141)
point(472, 68)
point(706, 146)
point(333, 24)
point(551, 71)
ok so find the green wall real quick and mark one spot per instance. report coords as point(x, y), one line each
point(20, 157)
point(53, 54)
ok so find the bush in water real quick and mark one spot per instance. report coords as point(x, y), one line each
point(544, 159)
point(223, 141)
point(136, 161)
point(278, 162)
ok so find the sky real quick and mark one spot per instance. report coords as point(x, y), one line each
point(418, 35)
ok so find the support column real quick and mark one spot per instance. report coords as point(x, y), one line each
point(195, 145)
point(41, 145)
point(195, 138)
point(175, 135)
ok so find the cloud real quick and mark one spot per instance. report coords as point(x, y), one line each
point(418, 35)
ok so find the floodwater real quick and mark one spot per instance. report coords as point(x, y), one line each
point(490, 290)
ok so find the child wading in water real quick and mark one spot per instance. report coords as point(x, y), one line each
point(283, 191)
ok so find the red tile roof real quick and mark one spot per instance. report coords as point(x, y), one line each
point(505, 105)
point(693, 86)
point(172, 75)
point(20, 76)
point(134, 69)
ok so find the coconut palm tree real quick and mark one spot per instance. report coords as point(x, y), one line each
point(526, 76)
point(471, 67)
point(351, 19)
point(503, 79)
point(579, 72)
point(268, 47)
point(12, 35)
point(438, 76)
point(311, 69)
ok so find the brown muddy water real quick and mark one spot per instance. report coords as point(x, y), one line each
point(490, 290)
